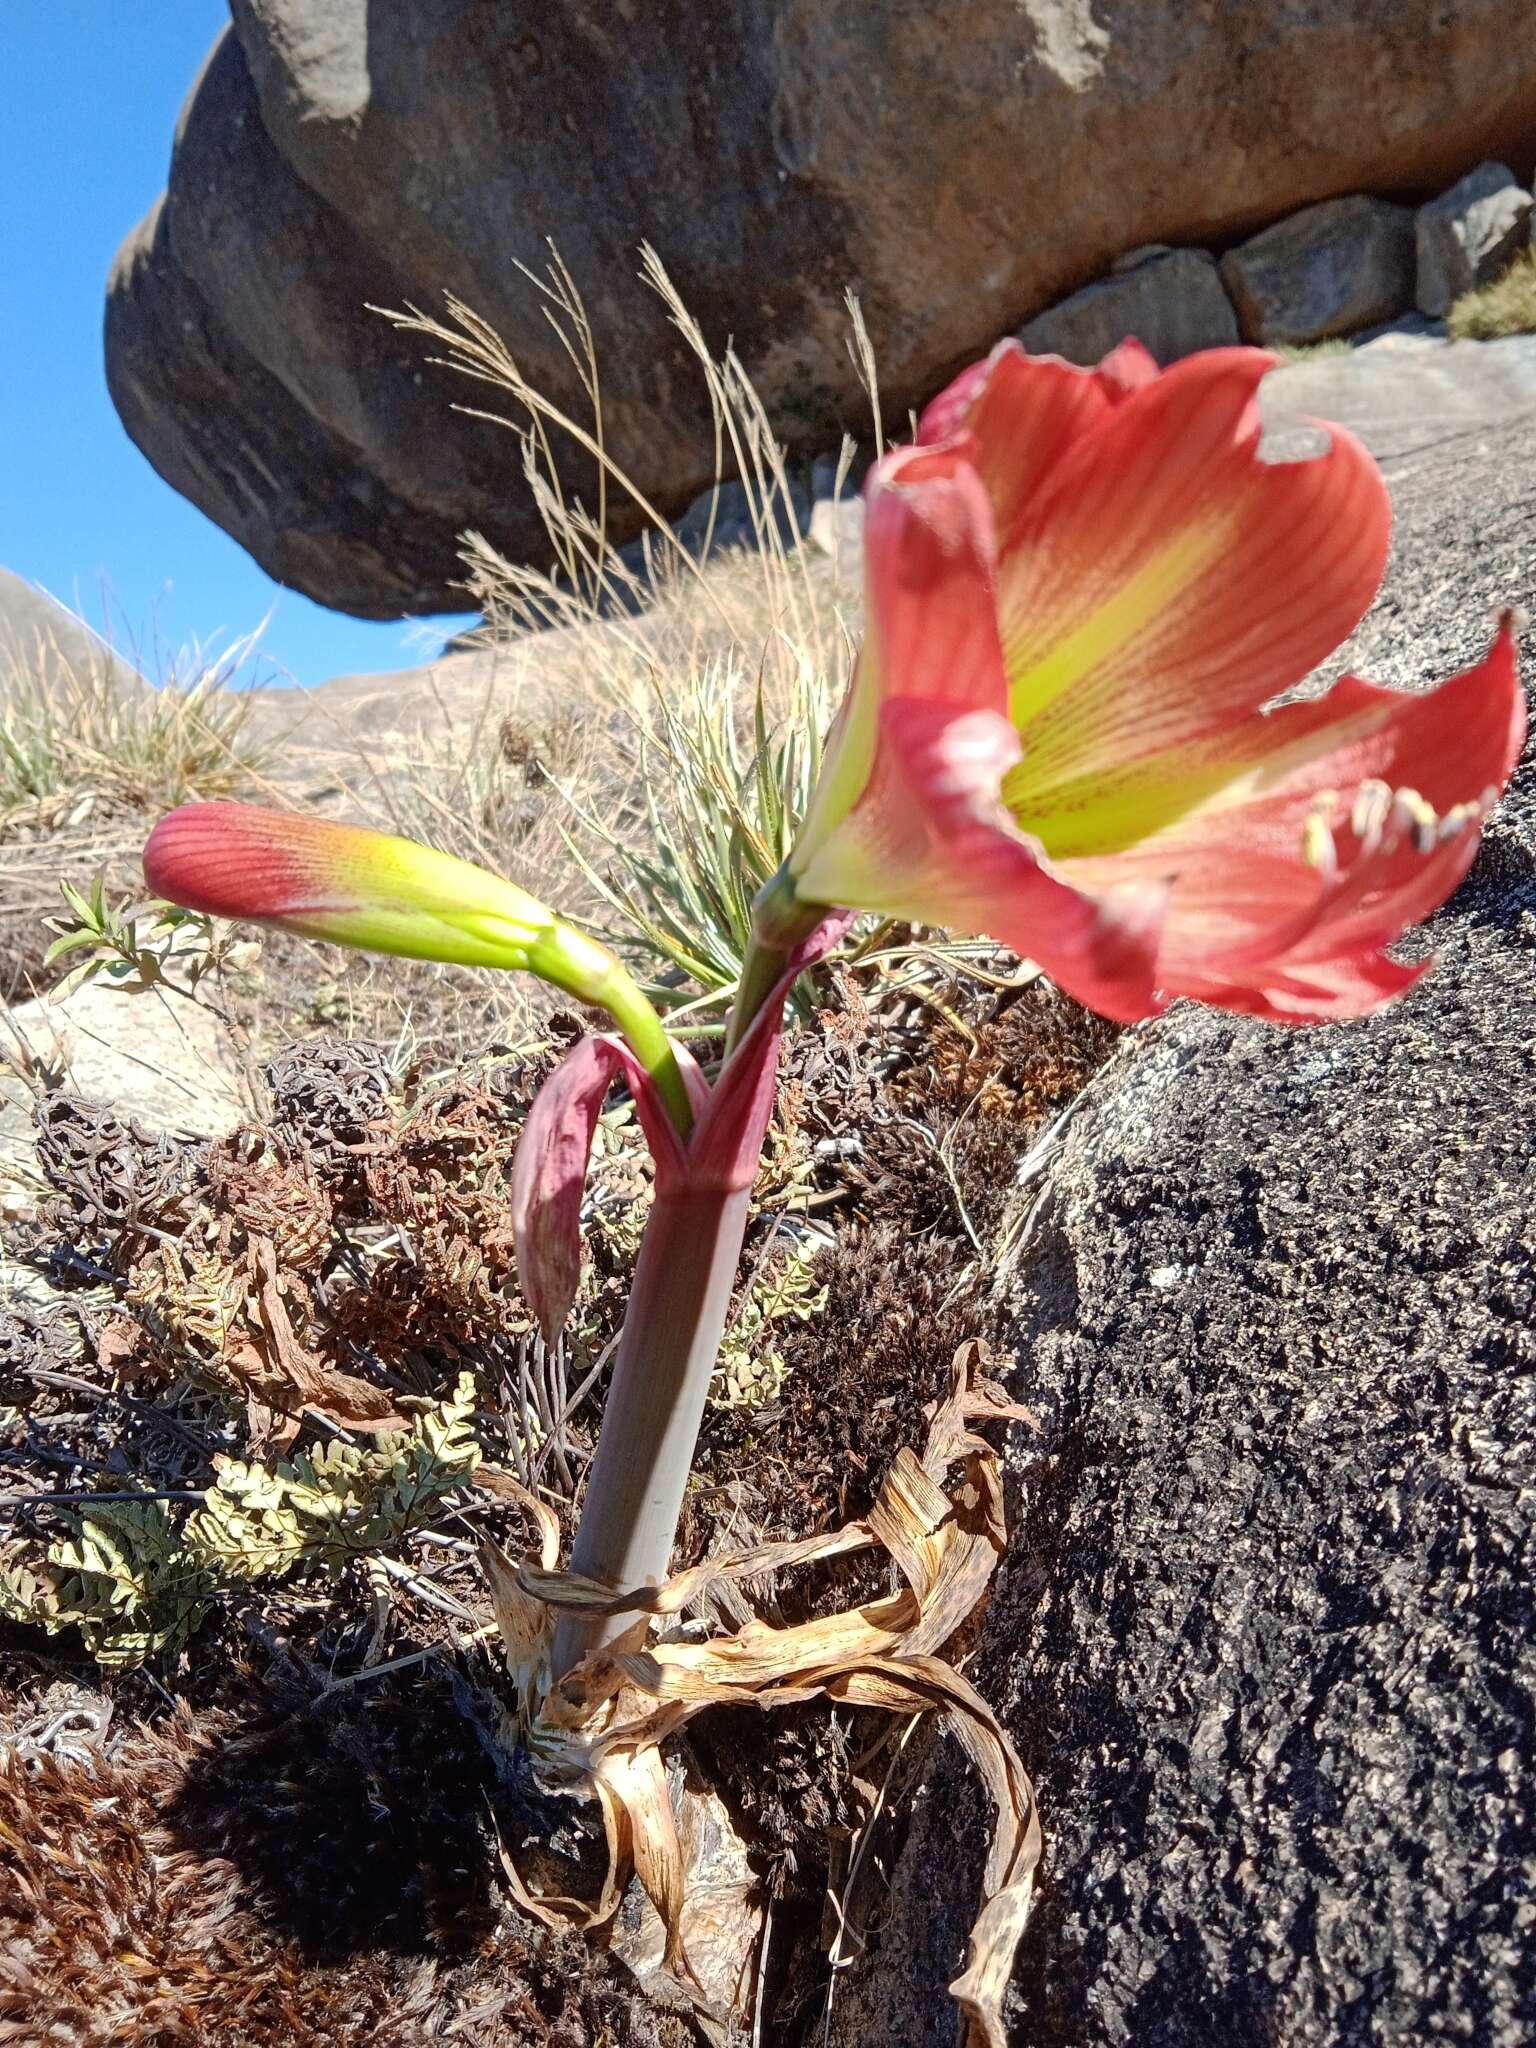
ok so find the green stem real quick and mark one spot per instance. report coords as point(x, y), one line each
point(780, 921)
point(648, 1040)
point(760, 970)
point(592, 974)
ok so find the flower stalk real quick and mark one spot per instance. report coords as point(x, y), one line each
point(678, 1304)
point(684, 1278)
point(780, 923)
point(616, 991)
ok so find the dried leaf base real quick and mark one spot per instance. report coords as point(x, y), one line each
point(603, 1728)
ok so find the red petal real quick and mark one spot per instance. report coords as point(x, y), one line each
point(1169, 583)
point(240, 860)
point(1328, 992)
point(1127, 369)
point(931, 618)
point(945, 418)
point(1016, 416)
point(929, 555)
point(1253, 925)
point(930, 842)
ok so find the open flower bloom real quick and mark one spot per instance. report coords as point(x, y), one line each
point(1083, 587)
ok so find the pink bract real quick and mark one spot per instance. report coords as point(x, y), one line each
point(719, 1158)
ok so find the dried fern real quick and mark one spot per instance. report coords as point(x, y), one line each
point(120, 1576)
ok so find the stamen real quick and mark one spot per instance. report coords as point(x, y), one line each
point(1412, 813)
point(1317, 846)
point(1372, 808)
point(1458, 818)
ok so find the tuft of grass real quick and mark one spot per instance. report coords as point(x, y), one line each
point(1309, 351)
point(715, 811)
point(89, 752)
point(1507, 306)
point(81, 739)
point(687, 690)
point(786, 618)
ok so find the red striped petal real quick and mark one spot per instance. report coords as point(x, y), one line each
point(1384, 789)
point(930, 842)
point(1166, 585)
point(1015, 417)
point(930, 619)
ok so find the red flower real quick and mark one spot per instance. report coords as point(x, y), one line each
point(1083, 590)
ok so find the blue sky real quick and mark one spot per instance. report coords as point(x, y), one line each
point(89, 93)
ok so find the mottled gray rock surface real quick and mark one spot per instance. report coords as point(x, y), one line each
point(1173, 303)
point(1468, 235)
point(959, 166)
point(1330, 269)
point(1417, 408)
point(1267, 1632)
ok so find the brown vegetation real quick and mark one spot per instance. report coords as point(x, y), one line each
point(299, 1361)
point(306, 1872)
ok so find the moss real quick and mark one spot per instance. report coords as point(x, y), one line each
point(299, 1874)
point(1310, 351)
point(1507, 306)
point(859, 1379)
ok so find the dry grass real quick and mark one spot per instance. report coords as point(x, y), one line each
point(1309, 351)
point(590, 580)
point(1507, 306)
point(78, 740)
point(89, 752)
point(646, 761)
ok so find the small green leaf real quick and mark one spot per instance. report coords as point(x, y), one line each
point(69, 942)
